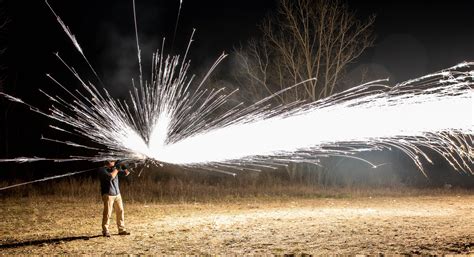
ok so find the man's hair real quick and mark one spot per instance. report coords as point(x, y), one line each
point(107, 161)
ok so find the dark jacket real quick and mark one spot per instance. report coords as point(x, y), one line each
point(109, 185)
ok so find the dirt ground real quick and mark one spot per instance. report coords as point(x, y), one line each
point(365, 225)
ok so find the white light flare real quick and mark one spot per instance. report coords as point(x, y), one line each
point(406, 117)
point(159, 135)
point(332, 125)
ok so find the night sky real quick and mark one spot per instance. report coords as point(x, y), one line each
point(412, 39)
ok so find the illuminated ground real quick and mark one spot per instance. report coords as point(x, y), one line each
point(438, 224)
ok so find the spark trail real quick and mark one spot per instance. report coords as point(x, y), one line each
point(169, 120)
point(433, 112)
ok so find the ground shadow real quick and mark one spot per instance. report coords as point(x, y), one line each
point(47, 241)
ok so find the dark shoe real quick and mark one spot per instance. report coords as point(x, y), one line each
point(106, 234)
point(124, 233)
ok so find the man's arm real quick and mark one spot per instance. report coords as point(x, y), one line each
point(126, 172)
point(114, 172)
point(105, 175)
point(122, 167)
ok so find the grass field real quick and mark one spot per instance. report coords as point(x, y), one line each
point(371, 221)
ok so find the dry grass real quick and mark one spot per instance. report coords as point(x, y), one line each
point(370, 225)
point(193, 188)
point(190, 215)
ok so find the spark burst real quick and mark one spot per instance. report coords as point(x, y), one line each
point(168, 121)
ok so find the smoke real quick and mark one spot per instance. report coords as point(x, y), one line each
point(118, 61)
point(403, 55)
point(365, 72)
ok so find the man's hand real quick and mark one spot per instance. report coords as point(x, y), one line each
point(118, 165)
point(114, 172)
point(126, 172)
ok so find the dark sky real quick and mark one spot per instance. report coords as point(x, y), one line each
point(413, 38)
point(417, 37)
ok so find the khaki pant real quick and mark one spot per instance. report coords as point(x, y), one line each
point(113, 202)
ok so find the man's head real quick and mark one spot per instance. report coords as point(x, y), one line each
point(109, 163)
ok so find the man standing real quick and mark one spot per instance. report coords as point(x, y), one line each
point(109, 187)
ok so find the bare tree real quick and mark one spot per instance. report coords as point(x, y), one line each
point(305, 39)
